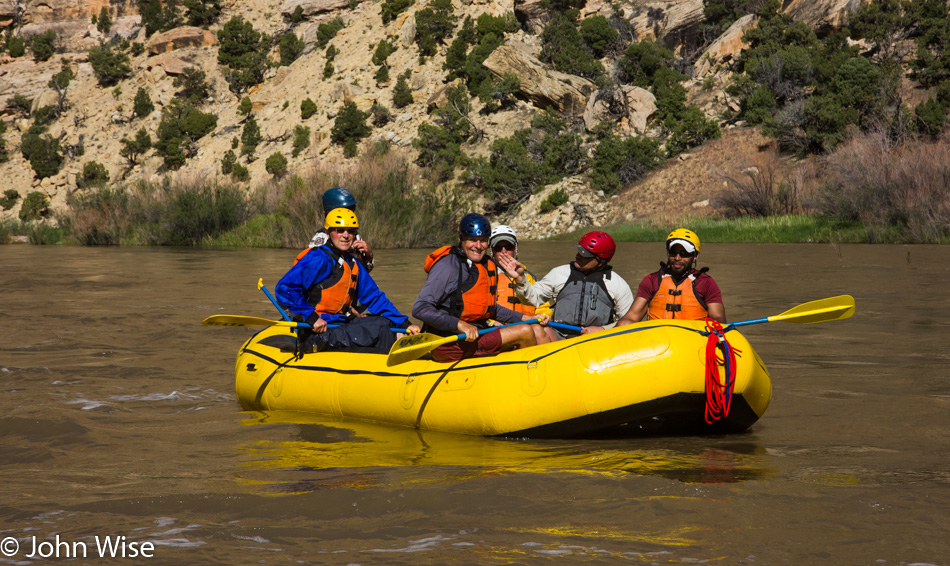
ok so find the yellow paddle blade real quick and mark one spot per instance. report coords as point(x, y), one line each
point(822, 310)
point(235, 320)
point(413, 347)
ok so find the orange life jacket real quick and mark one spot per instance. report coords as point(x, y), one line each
point(338, 292)
point(677, 301)
point(508, 298)
point(476, 301)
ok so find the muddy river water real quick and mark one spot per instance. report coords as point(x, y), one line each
point(118, 419)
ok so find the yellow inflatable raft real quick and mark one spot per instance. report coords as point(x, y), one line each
point(647, 378)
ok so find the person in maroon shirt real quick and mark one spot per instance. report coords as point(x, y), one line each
point(677, 290)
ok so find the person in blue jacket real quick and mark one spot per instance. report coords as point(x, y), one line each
point(325, 283)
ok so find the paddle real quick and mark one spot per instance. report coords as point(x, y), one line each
point(236, 320)
point(411, 347)
point(822, 310)
point(260, 285)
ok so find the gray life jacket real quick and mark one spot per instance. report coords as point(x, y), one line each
point(584, 300)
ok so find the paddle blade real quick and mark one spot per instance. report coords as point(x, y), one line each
point(823, 310)
point(234, 320)
point(413, 347)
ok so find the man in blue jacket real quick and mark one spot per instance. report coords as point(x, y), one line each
point(322, 286)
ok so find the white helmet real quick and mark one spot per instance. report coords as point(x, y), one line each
point(503, 233)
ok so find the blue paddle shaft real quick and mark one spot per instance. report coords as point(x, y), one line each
point(276, 304)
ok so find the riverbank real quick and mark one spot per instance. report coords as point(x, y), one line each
point(263, 232)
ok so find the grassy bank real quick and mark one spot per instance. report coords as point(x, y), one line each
point(771, 229)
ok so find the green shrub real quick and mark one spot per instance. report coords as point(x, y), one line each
point(109, 66)
point(500, 93)
point(307, 108)
point(597, 34)
point(181, 125)
point(392, 8)
point(227, 162)
point(4, 153)
point(45, 116)
point(104, 22)
point(193, 84)
point(202, 13)
point(142, 105)
point(689, 130)
point(43, 152)
point(250, 137)
point(297, 17)
point(15, 45)
point(244, 51)
point(94, 174)
point(434, 23)
point(563, 47)
point(35, 206)
point(931, 117)
point(20, 103)
point(382, 75)
point(137, 48)
point(553, 200)
point(10, 196)
point(301, 139)
point(43, 45)
point(245, 106)
point(290, 47)
point(618, 162)
point(402, 94)
point(276, 164)
point(326, 32)
point(383, 50)
point(240, 173)
point(44, 235)
point(349, 125)
point(380, 115)
point(132, 149)
point(641, 61)
point(439, 151)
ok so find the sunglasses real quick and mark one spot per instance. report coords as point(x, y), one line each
point(681, 253)
point(503, 246)
point(353, 231)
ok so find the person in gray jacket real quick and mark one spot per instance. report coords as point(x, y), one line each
point(585, 292)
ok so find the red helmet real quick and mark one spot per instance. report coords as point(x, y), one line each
point(598, 243)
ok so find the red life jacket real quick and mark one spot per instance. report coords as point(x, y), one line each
point(336, 293)
point(475, 301)
point(677, 301)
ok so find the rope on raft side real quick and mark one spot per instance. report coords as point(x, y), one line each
point(719, 391)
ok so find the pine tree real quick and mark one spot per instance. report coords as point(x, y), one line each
point(142, 105)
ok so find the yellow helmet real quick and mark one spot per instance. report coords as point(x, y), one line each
point(686, 238)
point(341, 218)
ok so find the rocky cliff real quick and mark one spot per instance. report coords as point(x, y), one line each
point(96, 118)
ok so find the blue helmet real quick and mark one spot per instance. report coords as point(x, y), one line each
point(338, 197)
point(473, 224)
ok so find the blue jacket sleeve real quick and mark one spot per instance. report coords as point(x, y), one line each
point(291, 289)
point(376, 302)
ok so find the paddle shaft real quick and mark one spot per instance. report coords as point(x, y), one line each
point(260, 285)
point(237, 320)
point(822, 310)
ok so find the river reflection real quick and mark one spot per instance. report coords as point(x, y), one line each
point(322, 446)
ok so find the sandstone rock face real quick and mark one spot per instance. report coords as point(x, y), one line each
point(179, 38)
point(632, 105)
point(726, 47)
point(169, 63)
point(673, 22)
point(531, 12)
point(543, 86)
point(312, 8)
point(823, 14)
point(58, 11)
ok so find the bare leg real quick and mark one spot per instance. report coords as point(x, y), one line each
point(515, 337)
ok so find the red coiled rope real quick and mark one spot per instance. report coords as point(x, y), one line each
point(718, 391)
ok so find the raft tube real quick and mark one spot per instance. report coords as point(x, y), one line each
point(643, 379)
